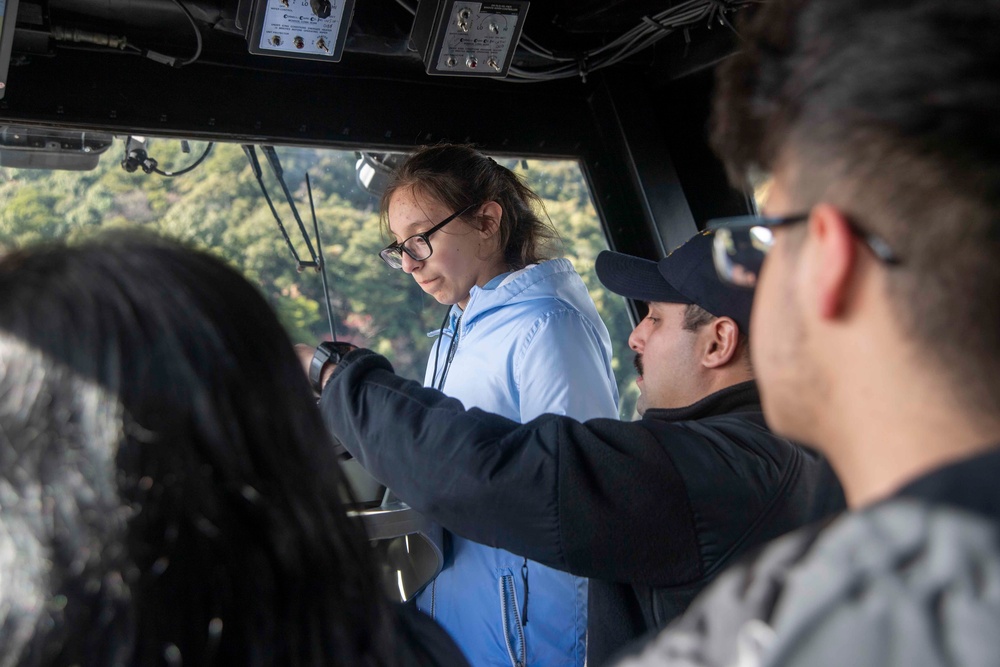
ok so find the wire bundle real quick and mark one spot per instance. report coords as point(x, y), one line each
point(649, 31)
point(72, 37)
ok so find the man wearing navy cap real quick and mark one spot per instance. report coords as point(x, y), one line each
point(695, 329)
point(650, 510)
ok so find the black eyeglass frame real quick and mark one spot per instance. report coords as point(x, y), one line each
point(400, 246)
point(879, 247)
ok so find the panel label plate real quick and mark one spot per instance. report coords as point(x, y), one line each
point(479, 38)
point(292, 29)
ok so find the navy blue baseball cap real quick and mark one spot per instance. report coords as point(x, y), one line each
point(687, 275)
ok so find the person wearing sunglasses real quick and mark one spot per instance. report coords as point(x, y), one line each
point(875, 334)
point(521, 337)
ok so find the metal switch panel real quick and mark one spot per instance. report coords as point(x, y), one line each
point(308, 29)
point(462, 38)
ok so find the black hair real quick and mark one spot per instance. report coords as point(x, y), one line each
point(460, 176)
point(170, 494)
point(887, 109)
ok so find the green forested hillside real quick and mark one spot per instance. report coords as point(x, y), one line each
point(219, 206)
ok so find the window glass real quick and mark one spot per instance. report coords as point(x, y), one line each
point(219, 206)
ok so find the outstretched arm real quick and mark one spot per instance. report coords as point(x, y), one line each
point(570, 495)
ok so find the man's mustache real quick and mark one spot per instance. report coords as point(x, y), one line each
point(637, 362)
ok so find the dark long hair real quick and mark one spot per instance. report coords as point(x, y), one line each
point(170, 494)
point(459, 176)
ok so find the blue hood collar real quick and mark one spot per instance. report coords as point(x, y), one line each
point(554, 278)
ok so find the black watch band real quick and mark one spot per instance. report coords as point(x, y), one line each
point(326, 353)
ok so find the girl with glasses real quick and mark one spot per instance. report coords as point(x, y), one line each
point(521, 337)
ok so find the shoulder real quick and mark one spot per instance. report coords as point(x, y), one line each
point(865, 587)
point(902, 565)
point(733, 435)
point(556, 317)
point(772, 485)
point(552, 280)
point(762, 474)
point(559, 338)
point(536, 292)
point(916, 543)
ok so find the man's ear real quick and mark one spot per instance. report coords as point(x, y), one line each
point(722, 339)
point(835, 253)
point(489, 216)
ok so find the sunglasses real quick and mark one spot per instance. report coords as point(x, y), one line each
point(742, 242)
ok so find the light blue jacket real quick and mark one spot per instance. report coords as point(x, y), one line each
point(529, 343)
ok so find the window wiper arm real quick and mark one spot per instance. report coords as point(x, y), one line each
point(317, 258)
point(322, 265)
point(251, 153)
point(279, 173)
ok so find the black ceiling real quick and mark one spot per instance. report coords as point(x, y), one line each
point(637, 126)
point(377, 42)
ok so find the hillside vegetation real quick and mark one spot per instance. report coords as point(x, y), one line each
point(219, 207)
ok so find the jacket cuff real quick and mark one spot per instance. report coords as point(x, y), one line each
point(362, 359)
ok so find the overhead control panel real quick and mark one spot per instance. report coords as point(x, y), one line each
point(462, 38)
point(308, 29)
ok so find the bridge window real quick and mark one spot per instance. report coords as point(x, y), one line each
point(219, 206)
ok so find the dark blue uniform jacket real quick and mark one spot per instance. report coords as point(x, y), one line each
point(650, 510)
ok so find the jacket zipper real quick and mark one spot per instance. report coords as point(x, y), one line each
point(524, 577)
point(508, 606)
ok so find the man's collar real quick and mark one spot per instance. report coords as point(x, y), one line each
point(742, 397)
point(969, 484)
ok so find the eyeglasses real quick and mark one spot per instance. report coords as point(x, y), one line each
point(742, 242)
point(418, 247)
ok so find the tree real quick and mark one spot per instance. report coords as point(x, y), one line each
point(219, 207)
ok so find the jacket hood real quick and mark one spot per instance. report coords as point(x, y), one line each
point(551, 279)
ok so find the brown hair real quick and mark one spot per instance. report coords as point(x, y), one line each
point(460, 176)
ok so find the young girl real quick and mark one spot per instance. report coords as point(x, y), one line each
point(522, 337)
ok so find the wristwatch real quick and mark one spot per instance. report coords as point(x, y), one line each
point(326, 353)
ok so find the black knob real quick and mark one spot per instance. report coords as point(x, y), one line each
point(321, 8)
